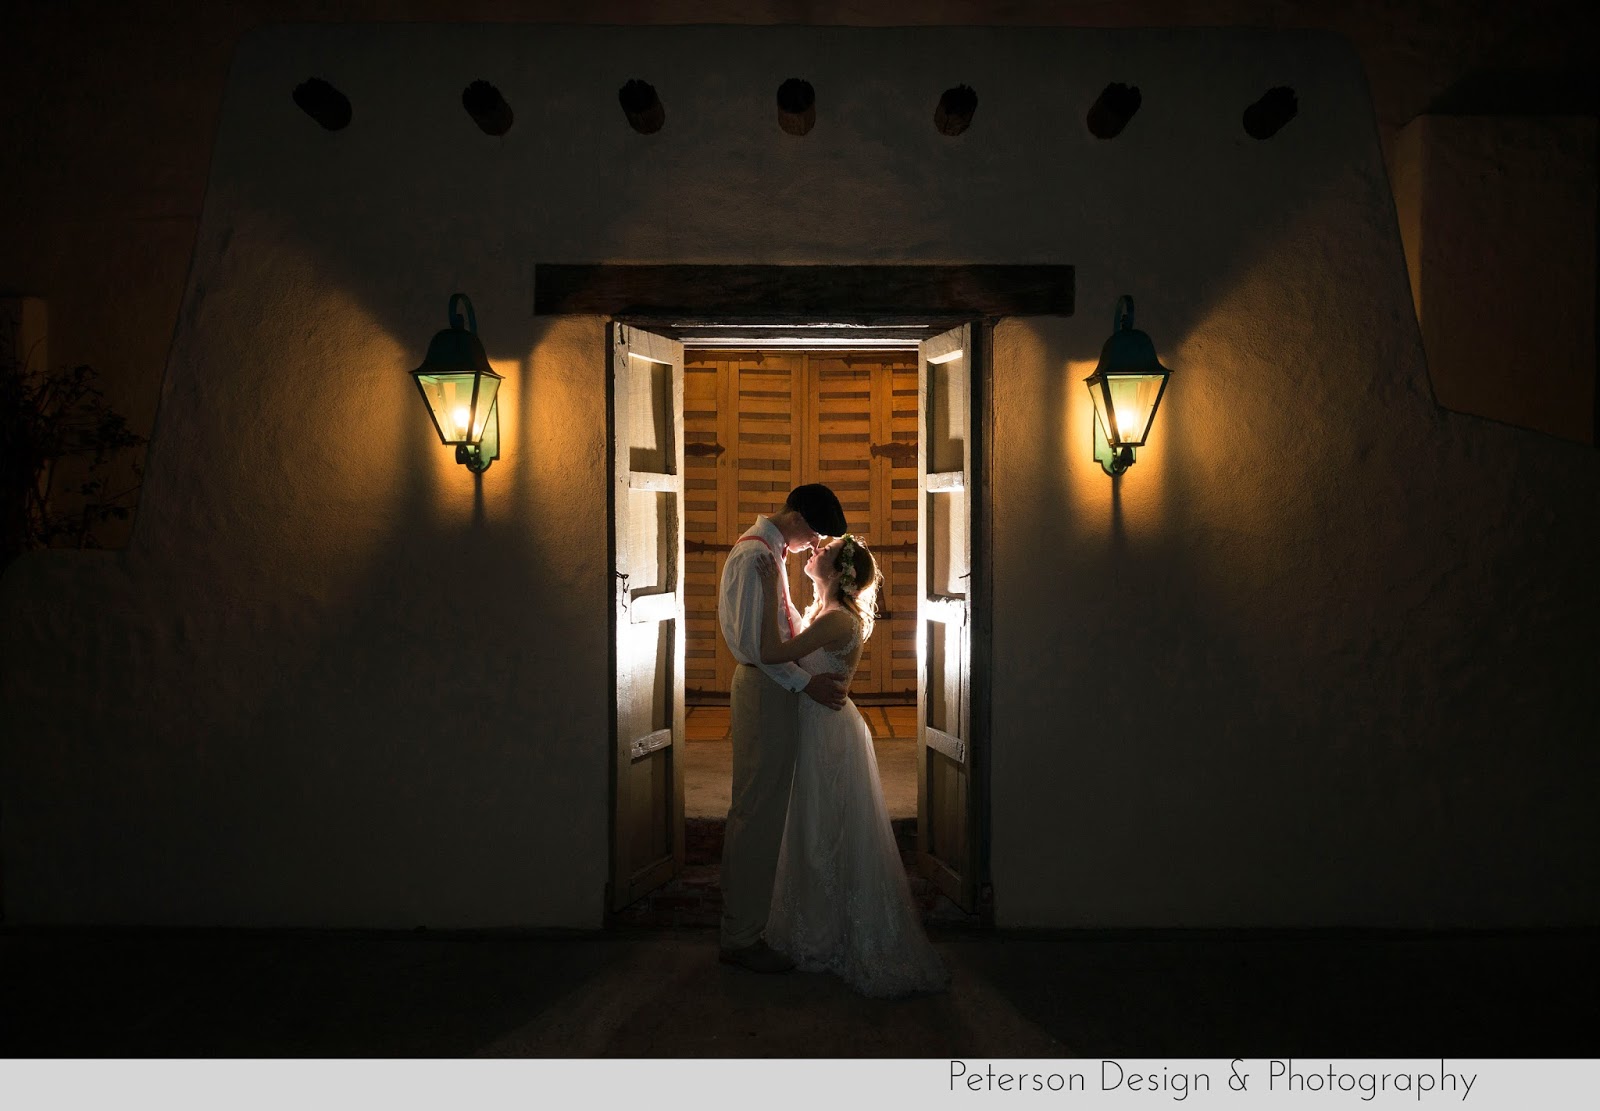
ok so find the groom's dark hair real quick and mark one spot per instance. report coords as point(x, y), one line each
point(818, 506)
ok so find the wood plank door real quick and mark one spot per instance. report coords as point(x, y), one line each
point(894, 476)
point(861, 433)
point(948, 791)
point(647, 513)
point(711, 471)
point(744, 414)
point(756, 424)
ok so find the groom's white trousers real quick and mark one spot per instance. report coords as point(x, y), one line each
point(765, 727)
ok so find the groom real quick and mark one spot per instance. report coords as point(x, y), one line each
point(765, 715)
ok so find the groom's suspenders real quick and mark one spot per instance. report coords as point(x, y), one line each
point(788, 630)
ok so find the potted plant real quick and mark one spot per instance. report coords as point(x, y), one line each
point(55, 428)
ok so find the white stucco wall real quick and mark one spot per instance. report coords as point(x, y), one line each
point(1322, 657)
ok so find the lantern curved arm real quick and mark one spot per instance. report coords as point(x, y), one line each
point(1122, 318)
point(455, 315)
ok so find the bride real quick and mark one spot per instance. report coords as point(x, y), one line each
point(840, 902)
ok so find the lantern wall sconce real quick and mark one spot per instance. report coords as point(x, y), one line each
point(1127, 388)
point(461, 390)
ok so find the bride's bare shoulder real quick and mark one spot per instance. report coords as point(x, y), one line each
point(836, 625)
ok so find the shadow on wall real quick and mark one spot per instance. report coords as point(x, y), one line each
point(1286, 648)
point(720, 183)
point(331, 683)
point(425, 734)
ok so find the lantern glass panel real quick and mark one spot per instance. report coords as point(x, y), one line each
point(1131, 400)
point(489, 445)
point(450, 401)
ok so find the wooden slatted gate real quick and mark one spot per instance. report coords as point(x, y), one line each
point(757, 424)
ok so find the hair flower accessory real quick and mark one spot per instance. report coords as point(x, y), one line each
point(847, 564)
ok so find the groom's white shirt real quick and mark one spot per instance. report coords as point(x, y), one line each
point(742, 603)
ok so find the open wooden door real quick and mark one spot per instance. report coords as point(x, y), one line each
point(647, 844)
point(949, 787)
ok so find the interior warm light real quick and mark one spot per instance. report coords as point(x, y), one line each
point(1126, 386)
point(460, 389)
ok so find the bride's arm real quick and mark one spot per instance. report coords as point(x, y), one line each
point(827, 631)
point(830, 630)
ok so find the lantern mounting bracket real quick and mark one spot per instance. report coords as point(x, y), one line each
point(1112, 460)
point(469, 456)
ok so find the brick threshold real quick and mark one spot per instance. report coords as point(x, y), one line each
point(693, 899)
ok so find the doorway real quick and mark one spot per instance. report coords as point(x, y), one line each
point(706, 437)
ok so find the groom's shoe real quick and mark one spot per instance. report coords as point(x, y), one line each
point(759, 957)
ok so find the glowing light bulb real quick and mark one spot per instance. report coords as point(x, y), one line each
point(1127, 423)
point(461, 416)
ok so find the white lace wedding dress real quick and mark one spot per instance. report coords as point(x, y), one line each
point(840, 902)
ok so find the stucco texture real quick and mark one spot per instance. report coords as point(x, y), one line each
point(1324, 656)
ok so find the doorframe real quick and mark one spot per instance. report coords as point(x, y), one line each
point(981, 645)
point(981, 606)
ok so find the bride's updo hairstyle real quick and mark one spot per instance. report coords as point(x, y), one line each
point(857, 584)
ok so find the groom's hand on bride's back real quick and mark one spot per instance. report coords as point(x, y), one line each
point(828, 690)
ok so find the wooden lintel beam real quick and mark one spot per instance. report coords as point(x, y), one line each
point(845, 294)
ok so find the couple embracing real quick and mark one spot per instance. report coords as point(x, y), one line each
point(811, 875)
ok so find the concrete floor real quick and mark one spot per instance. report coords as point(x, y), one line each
point(708, 759)
point(659, 993)
point(648, 991)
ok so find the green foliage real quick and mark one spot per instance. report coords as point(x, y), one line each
point(55, 423)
